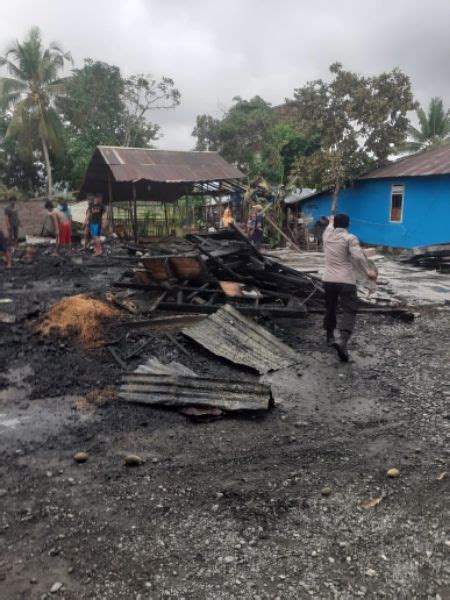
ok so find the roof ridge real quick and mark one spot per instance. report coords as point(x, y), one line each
point(157, 149)
point(399, 162)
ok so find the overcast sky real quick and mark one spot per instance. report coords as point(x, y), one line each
point(217, 49)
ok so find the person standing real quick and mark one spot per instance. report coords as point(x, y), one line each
point(12, 221)
point(56, 220)
point(257, 227)
point(95, 218)
point(87, 231)
point(227, 218)
point(341, 248)
point(65, 225)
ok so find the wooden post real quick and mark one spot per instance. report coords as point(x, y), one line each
point(220, 205)
point(135, 231)
point(165, 218)
point(289, 241)
point(335, 199)
point(111, 207)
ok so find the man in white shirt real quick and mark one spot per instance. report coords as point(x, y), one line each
point(341, 248)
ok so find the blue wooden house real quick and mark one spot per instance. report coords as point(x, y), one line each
point(402, 205)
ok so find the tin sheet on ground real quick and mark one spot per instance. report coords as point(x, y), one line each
point(229, 334)
point(183, 391)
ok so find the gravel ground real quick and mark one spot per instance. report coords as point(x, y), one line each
point(254, 508)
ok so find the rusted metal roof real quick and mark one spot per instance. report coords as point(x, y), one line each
point(182, 391)
point(428, 162)
point(134, 164)
point(229, 334)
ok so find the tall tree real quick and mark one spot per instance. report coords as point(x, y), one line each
point(31, 94)
point(251, 136)
point(358, 120)
point(206, 131)
point(142, 94)
point(246, 136)
point(92, 111)
point(103, 108)
point(433, 130)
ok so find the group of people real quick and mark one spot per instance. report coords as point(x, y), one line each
point(60, 216)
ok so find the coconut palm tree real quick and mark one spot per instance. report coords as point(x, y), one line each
point(30, 94)
point(434, 127)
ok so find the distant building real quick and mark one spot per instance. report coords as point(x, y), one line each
point(402, 205)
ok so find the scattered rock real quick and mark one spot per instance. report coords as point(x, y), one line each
point(133, 460)
point(228, 559)
point(371, 572)
point(393, 472)
point(80, 457)
point(326, 491)
point(56, 587)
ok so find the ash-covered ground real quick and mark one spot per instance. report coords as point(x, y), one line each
point(244, 507)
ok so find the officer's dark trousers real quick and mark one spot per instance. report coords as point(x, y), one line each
point(343, 294)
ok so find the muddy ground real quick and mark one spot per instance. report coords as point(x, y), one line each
point(256, 508)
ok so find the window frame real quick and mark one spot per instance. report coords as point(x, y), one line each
point(397, 193)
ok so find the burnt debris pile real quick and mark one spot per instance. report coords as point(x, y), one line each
point(205, 271)
point(429, 257)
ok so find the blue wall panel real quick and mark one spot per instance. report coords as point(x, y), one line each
point(426, 211)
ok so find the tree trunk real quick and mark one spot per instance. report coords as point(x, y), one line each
point(335, 199)
point(48, 168)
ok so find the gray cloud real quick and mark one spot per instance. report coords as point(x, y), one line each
point(215, 50)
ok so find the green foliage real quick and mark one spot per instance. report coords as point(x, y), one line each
point(92, 112)
point(434, 128)
point(103, 108)
point(206, 131)
point(250, 136)
point(358, 120)
point(31, 94)
point(141, 94)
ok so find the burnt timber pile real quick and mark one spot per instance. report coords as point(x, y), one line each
point(205, 271)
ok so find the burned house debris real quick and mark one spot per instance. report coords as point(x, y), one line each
point(206, 271)
point(217, 268)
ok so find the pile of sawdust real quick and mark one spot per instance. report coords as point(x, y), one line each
point(80, 317)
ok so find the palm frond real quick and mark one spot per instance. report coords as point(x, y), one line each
point(9, 85)
point(416, 135)
point(21, 118)
point(424, 124)
point(51, 129)
point(12, 68)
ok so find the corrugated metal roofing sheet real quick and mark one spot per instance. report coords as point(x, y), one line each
point(178, 390)
point(133, 164)
point(299, 196)
point(428, 162)
point(229, 334)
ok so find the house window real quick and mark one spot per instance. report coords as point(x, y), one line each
point(397, 195)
